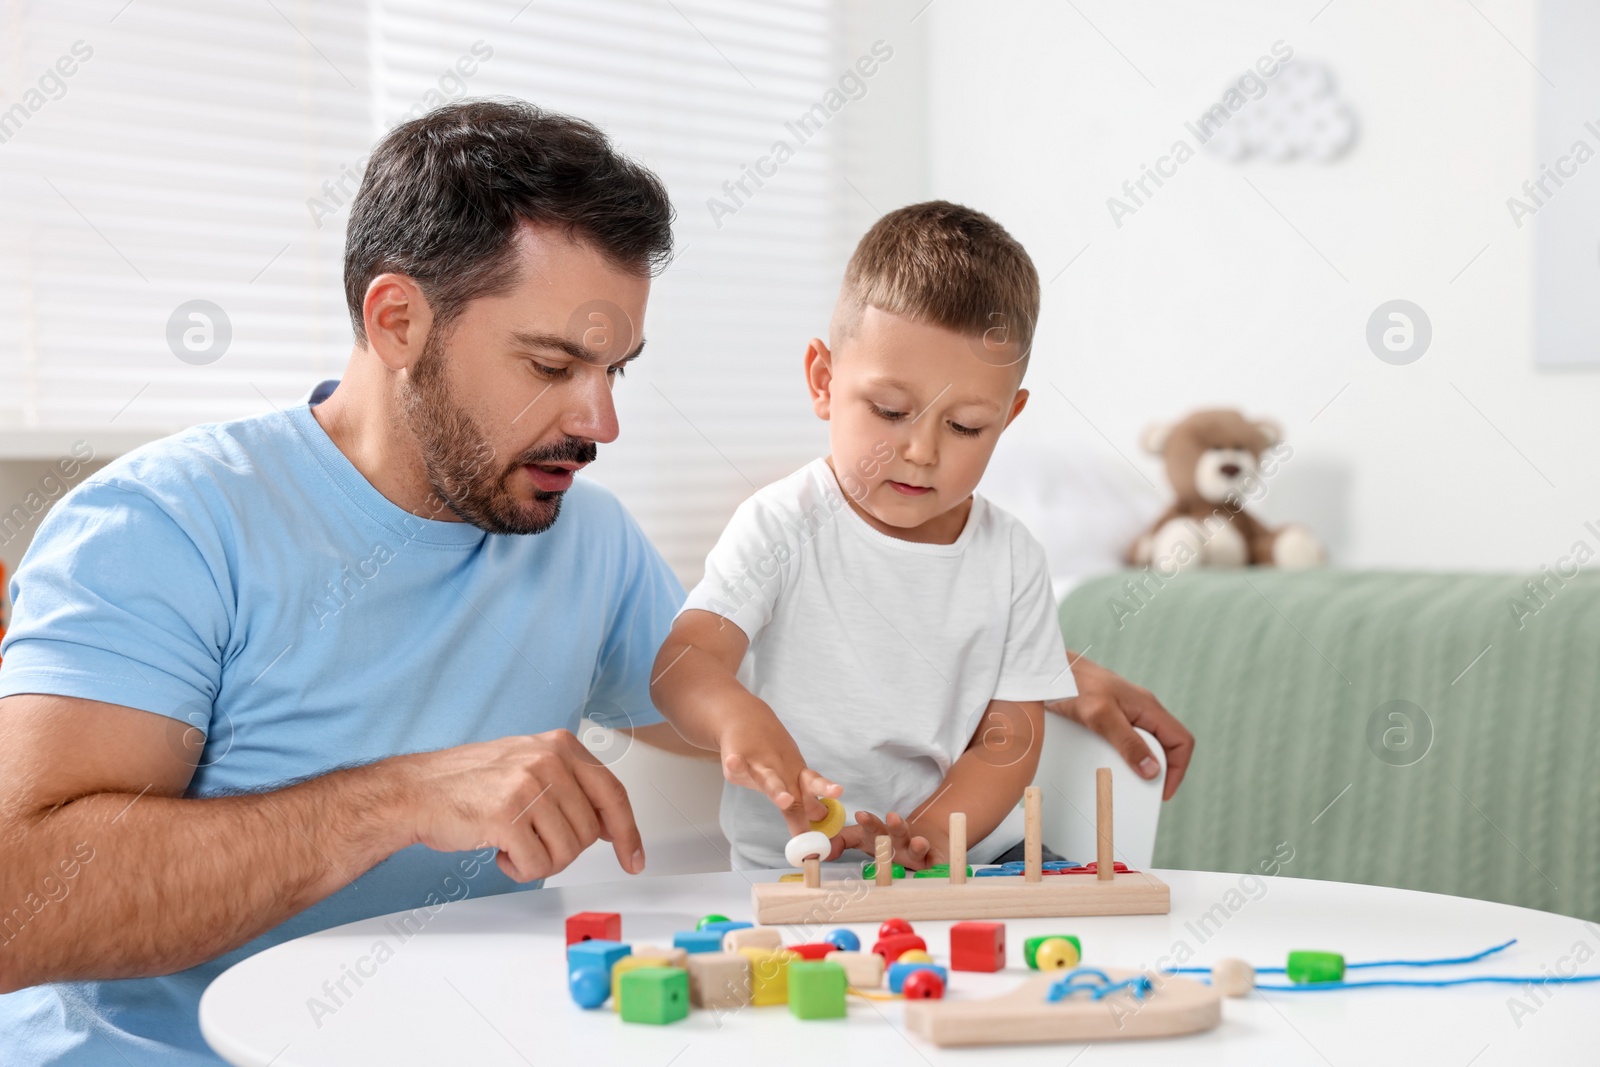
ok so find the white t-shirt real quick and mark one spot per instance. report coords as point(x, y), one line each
point(879, 655)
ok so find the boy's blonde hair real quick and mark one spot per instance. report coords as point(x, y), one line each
point(944, 265)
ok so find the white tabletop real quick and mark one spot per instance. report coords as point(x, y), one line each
point(484, 982)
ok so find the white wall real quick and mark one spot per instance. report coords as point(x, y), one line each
point(1208, 296)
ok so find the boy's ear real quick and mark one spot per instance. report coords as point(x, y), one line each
point(1018, 402)
point(819, 377)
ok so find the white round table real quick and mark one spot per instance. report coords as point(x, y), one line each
point(483, 981)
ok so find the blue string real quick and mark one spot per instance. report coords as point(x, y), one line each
point(1474, 958)
point(1138, 985)
point(1487, 979)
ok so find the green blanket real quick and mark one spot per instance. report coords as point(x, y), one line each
point(1426, 731)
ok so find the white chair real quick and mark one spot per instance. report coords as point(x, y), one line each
point(1066, 778)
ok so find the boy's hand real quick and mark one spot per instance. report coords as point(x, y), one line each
point(912, 851)
point(758, 753)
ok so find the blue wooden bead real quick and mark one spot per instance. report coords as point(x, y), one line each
point(994, 872)
point(844, 941)
point(589, 984)
point(707, 940)
point(597, 953)
point(899, 971)
point(725, 926)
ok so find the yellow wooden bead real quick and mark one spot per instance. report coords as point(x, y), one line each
point(791, 877)
point(915, 955)
point(1056, 954)
point(831, 823)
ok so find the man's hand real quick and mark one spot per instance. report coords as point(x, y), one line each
point(914, 852)
point(539, 800)
point(1112, 706)
point(758, 753)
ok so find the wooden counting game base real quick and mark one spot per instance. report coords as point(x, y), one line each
point(1126, 893)
point(1028, 895)
point(1174, 1006)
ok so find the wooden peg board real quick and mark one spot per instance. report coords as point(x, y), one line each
point(1030, 895)
point(1024, 1015)
point(1007, 897)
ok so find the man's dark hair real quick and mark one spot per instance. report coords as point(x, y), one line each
point(444, 194)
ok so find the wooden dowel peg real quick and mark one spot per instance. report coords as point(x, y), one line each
point(1104, 864)
point(958, 847)
point(1033, 834)
point(885, 872)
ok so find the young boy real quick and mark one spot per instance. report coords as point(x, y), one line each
point(868, 627)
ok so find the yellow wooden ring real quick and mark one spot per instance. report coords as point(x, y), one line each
point(1056, 954)
point(832, 822)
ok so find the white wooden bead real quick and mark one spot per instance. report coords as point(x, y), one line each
point(802, 846)
point(1233, 978)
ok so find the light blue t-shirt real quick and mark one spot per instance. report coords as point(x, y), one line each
point(244, 577)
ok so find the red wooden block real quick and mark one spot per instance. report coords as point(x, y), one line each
point(594, 926)
point(891, 927)
point(814, 951)
point(977, 946)
point(892, 946)
point(923, 985)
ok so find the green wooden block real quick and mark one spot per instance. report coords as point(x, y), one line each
point(657, 995)
point(870, 871)
point(938, 870)
point(816, 989)
point(1031, 946)
point(1307, 967)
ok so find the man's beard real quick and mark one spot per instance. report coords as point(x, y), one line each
point(460, 462)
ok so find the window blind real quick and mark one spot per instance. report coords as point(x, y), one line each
point(206, 152)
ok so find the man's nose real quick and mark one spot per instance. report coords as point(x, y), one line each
point(593, 414)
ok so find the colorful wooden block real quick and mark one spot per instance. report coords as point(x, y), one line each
point(693, 941)
point(1056, 954)
point(870, 871)
point(816, 989)
point(630, 963)
point(656, 995)
point(1306, 967)
point(675, 957)
point(594, 926)
point(923, 984)
point(899, 971)
point(978, 946)
point(843, 940)
point(752, 937)
point(722, 926)
point(769, 974)
point(890, 947)
point(814, 950)
point(588, 985)
point(939, 870)
point(597, 953)
point(719, 980)
point(863, 969)
point(1030, 948)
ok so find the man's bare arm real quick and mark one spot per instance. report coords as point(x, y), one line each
point(162, 883)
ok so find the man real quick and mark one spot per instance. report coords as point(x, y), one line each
point(272, 675)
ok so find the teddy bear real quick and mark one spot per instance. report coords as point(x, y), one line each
point(1217, 460)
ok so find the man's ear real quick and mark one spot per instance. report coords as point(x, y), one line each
point(398, 320)
point(819, 377)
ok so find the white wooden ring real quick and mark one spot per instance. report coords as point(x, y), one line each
point(803, 846)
